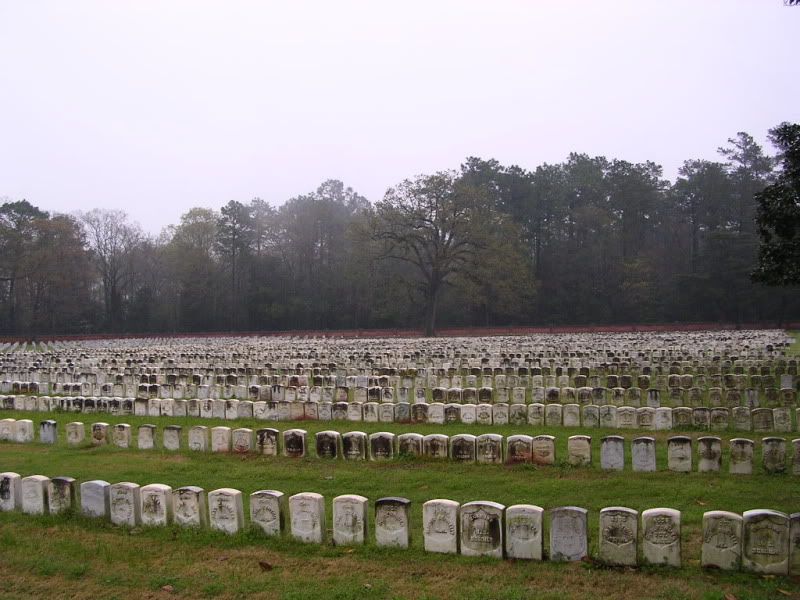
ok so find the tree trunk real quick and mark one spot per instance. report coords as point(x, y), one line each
point(430, 311)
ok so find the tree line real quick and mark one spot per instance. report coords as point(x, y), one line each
point(590, 240)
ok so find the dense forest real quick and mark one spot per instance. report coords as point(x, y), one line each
point(591, 240)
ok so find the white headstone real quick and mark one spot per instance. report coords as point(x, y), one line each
point(440, 526)
point(524, 531)
point(569, 537)
point(661, 536)
point(619, 528)
point(765, 542)
point(95, 498)
point(307, 517)
point(482, 529)
point(226, 510)
point(392, 527)
point(189, 508)
point(722, 540)
point(125, 504)
point(350, 519)
point(34, 494)
point(267, 511)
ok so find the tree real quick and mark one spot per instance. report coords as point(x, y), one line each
point(439, 225)
point(778, 214)
point(17, 235)
point(112, 239)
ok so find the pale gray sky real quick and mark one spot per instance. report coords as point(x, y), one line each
point(155, 107)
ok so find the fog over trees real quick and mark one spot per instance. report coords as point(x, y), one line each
point(591, 240)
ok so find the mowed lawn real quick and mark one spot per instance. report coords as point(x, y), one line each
point(70, 556)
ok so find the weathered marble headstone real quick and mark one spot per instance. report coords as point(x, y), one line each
point(435, 445)
point(618, 536)
point(536, 414)
point(145, 437)
point(440, 526)
point(75, 433)
point(661, 537)
point(198, 438)
point(489, 449)
point(773, 454)
point(719, 419)
point(553, 415)
point(612, 453)
point(741, 419)
point(171, 437)
point(709, 454)
point(307, 517)
point(156, 504)
point(267, 510)
point(571, 415)
point(328, 443)
point(34, 494)
point(95, 498)
point(741, 456)
point(221, 439)
point(410, 444)
point(392, 527)
point(125, 504)
point(189, 506)
point(354, 445)
point(590, 416)
point(48, 432)
point(462, 448)
point(543, 450)
point(267, 441)
point(679, 454)
point(643, 454)
point(482, 529)
point(61, 494)
point(519, 449)
point(294, 443)
point(226, 510)
point(722, 540)
point(579, 450)
point(99, 434)
point(765, 542)
point(796, 456)
point(381, 445)
point(121, 435)
point(569, 534)
point(483, 414)
point(782, 419)
point(794, 543)
point(524, 531)
point(608, 416)
point(763, 421)
point(350, 519)
point(23, 431)
point(10, 491)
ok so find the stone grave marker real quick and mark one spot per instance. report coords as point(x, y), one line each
point(661, 537)
point(350, 520)
point(765, 542)
point(569, 537)
point(125, 504)
point(618, 536)
point(226, 510)
point(482, 529)
point(523, 532)
point(307, 517)
point(440, 526)
point(722, 540)
point(189, 506)
point(392, 518)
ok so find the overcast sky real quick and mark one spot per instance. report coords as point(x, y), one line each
point(155, 107)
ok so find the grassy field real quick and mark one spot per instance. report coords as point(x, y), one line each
point(76, 557)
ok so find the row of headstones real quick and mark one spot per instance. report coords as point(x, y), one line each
point(488, 448)
point(593, 393)
point(552, 415)
point(759, 541)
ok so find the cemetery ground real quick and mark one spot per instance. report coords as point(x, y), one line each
point(74, 556)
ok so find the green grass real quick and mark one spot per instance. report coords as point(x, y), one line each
point(794, 349)
point(71, 555)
